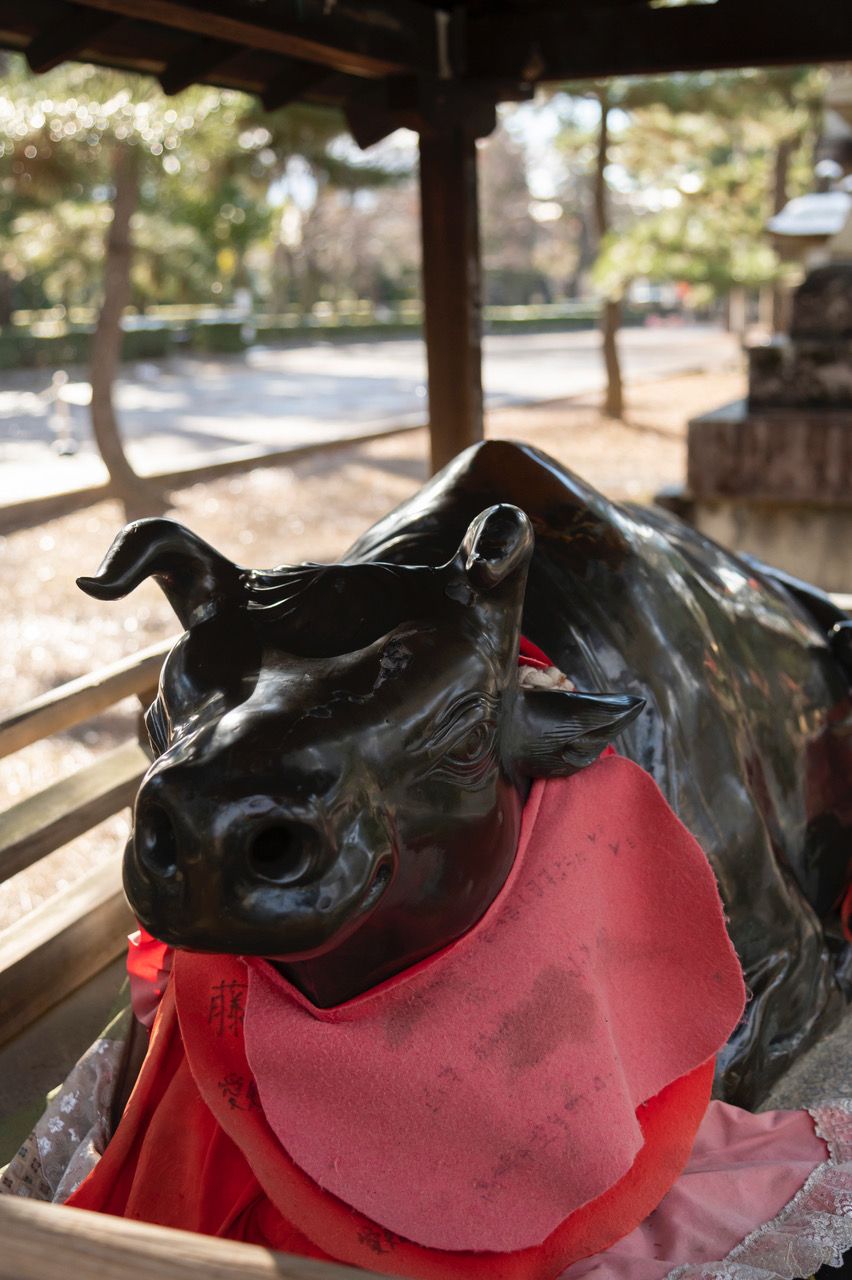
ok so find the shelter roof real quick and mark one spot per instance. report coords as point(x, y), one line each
point(388, 55)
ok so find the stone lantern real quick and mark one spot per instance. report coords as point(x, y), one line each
point(772, 474)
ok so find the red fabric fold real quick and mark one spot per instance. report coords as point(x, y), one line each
point(529, 655)
point(207, 1160)
point(507, 1069)
point(149, 963)
point(196, 1148)
point(226, 1142)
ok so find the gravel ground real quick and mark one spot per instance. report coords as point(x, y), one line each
point(50, 632)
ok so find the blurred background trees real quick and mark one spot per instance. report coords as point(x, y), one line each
point(647, 192)
point(112, 194)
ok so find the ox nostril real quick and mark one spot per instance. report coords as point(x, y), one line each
point(283, 853)
point(156, 842)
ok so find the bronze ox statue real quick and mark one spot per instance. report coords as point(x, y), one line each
point(343, 751)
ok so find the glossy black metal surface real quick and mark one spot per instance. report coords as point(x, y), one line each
point(343, 752)
point(344, 749)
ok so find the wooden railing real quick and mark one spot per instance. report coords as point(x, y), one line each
point(49, 1242)
point(57, 947)
point(54, 950)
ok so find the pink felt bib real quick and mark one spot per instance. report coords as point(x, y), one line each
point(476, 1100)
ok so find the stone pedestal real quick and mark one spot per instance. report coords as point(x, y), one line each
point(772, 475)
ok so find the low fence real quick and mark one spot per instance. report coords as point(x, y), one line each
point(47, 1241)
point(54, 339)
point(57, 948)
point(53, 950)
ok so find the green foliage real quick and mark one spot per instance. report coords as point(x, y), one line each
point(699, 163)
point(235, 198)
point(221, 337)
point(205, 226)
point(21, 348)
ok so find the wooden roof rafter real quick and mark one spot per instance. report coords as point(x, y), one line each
point(384, 37)
point(602, 38)
point(392, 61)
point(66, 36)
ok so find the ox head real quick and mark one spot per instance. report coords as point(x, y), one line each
point(342, 751)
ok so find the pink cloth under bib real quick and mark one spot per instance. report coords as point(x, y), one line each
point(761, 1198)
point(476, 1100)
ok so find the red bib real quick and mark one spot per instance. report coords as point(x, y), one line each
point(478, 1099)
point(576, 1021)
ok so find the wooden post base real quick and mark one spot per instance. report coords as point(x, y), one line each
point(451, 290)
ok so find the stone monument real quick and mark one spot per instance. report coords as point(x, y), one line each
point(771, 475)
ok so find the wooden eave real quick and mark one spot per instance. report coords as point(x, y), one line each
point(342, 52)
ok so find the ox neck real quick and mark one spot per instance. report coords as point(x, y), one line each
point(365, 961)
point(373, 954)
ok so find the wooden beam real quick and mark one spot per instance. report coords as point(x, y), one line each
point(66, 36)
point(451, 290)
point(194, 62)
point(568, 42)
point(384, 37)
point(61, 812)
point(53, 950)
point(374, 108)
point(292, 82)
point(78, 700)
point(50, 1241)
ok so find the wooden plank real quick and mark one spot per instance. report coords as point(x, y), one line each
point(66, 36)
point(137, 47)
point(43, 1053)
point(19, 24)
point(452, 306)
point(55, 949)
point(384, 37)
point(47, 1242)
point(63, 811)
point(78, 700)
point(568, 42)
point(195, 60)
point(292, 81)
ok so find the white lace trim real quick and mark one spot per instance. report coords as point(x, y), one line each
point(813, 1230)
point(549, 678)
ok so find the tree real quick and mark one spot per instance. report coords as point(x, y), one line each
point(721, 153)
point(508, 235)
point(187, 177)
point(127, 135)
point(611, 314)
point(609, 95)
point(702, 160)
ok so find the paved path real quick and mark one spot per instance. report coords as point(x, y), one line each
point(186, 411)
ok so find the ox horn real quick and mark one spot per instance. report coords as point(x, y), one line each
point(497, 543)
point(196, 579)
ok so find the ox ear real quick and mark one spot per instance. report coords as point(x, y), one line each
point(499, 541)
point(195, 578)
point(557, 732)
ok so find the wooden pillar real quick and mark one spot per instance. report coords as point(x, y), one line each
point(451, 290)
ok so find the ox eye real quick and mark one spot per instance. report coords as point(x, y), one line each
point(463, 740)
point(468, 758)
point(473, 745)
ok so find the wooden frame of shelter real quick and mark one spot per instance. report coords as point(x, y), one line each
point(438, 67)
